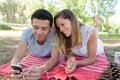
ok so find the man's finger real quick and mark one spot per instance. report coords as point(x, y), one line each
point(15, 71)
point(16, 76)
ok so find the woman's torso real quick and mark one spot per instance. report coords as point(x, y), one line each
point(81, 50)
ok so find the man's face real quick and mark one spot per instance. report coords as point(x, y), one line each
point(40, 30)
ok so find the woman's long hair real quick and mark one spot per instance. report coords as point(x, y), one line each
point(65, 44)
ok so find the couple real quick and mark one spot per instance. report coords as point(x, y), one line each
point(67, 50)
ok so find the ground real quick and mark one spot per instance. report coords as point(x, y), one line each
point(9, 42)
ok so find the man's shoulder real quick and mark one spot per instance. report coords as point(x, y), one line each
point(28, 30)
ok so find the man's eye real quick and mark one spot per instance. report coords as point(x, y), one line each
point(35, 27)
point(44, 28)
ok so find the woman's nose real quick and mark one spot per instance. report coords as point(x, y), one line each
point(61, 29)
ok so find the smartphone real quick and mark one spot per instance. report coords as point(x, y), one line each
point(16, 67)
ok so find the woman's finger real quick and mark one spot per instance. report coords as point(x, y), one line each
point(68, 70)
point(70, 64)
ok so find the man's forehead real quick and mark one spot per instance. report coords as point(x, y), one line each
point(45, 23)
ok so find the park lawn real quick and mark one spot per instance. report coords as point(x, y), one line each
point(9, 43)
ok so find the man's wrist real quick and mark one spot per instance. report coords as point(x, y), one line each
point(42, 69)
point(15, 61)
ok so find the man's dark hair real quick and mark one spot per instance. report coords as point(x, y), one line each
point(43, 15)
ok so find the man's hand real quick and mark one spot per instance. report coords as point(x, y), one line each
point(32, 73)
point(16, 74)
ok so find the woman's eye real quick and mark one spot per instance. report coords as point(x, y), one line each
point(62, 24)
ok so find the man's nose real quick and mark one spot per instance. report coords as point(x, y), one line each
point(39, 31)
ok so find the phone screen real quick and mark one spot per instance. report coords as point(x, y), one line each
point(16, 67)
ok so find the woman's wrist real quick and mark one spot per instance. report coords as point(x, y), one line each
point(69, 56)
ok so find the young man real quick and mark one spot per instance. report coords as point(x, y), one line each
point(38, 40)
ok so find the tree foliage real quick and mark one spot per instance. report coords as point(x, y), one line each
point(8, 10)
point(19, 11)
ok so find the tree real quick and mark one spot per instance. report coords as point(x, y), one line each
point(104, 8)
point(20, 11)
point(78, 7)
point(8, 10)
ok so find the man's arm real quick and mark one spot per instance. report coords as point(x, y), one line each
point(51, 62)
point(37, 71)
point(20, 52)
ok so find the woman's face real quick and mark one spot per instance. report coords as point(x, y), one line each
point(64, 26)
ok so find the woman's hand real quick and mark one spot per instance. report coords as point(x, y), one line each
point(32, 73)
point(70, 65)
point(97, 21)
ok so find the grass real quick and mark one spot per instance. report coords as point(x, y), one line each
point(9, 43)
point(110, 36)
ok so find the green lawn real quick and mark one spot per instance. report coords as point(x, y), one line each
point(110, 36)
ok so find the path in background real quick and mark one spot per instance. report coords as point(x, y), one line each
point(107, 43)
point(110, 45)
point(10, 33)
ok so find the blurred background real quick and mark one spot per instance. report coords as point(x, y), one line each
point(15, 14)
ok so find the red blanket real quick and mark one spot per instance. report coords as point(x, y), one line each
point(90, 72)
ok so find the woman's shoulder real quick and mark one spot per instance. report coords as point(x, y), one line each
point(87, 31)
point(84, 27)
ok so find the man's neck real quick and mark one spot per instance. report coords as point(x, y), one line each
point(40, 42)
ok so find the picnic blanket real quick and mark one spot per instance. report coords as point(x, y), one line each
point(90, 72)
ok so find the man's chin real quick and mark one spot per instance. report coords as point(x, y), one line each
point(40, 40)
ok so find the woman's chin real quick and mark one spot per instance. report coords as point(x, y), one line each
point(67, 35)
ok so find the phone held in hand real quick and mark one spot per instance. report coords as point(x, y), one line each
point(16, 67)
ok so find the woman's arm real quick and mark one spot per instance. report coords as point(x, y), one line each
point(92, 48)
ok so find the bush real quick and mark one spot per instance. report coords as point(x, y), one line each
point(5, 27)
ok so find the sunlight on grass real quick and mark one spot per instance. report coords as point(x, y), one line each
point(110, 36)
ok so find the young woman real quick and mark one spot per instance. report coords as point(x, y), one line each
point(80, 45)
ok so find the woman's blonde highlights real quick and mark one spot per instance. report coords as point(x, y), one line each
point(65, 44)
